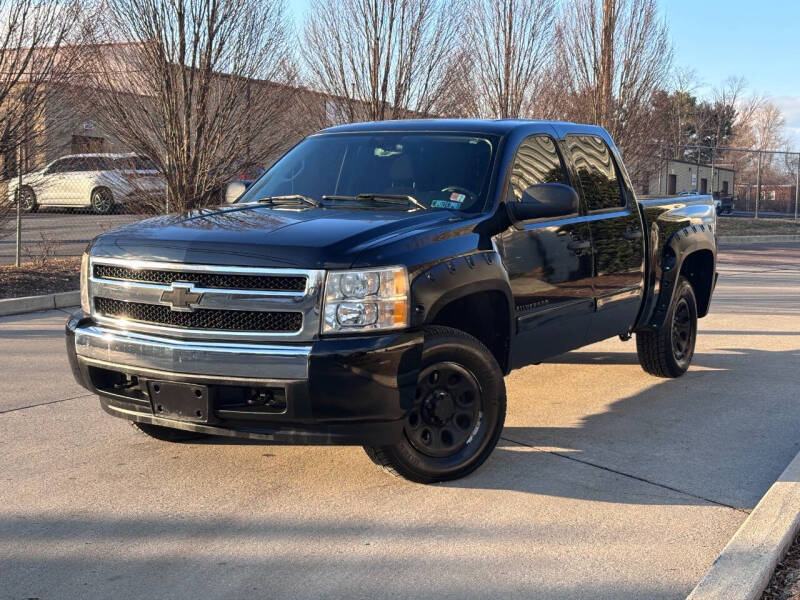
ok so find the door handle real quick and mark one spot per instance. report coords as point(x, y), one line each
point(579, 245)
point(632, 234)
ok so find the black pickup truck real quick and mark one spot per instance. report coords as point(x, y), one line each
point(375, 285)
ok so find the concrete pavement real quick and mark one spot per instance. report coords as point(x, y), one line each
point(66, 233)
point(608, 483)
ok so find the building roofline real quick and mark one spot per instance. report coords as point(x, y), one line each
point(694, 164)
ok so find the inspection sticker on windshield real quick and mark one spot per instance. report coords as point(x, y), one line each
point(446, 204)
point(456, 197)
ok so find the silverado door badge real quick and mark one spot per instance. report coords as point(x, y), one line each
point(181, 297)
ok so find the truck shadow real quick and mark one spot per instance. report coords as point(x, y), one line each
point(722, 434)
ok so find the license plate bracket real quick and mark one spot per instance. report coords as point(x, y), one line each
point(180, 401)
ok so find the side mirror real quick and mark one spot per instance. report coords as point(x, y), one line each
point(545, 200)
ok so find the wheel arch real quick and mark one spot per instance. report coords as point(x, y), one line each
point(100, 186)
point(469, 293)
point(690, 252)
point(698, 269)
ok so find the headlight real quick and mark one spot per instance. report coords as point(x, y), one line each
point(85, 283)
point(366, 299)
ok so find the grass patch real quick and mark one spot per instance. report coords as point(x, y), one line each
point(40, 277)
point(737, 226)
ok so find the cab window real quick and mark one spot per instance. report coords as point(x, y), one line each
point(536, 162)
point(596, 172)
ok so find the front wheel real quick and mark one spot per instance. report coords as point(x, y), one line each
point(458, 413)
point(102, 201)
point(668, 352)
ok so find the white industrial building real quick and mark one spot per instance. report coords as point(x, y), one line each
point(675, 176)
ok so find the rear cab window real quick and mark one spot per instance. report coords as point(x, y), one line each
point(596, 171)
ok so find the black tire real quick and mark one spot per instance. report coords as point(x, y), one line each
point(27, 199)
point(167, 434)
point(668, 352)
point(461, 404)
point(102, 201)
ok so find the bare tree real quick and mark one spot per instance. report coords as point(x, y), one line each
point(382, 59)
point(613, 56)
point(34, 59)
point(514, 38)
point(202, 87)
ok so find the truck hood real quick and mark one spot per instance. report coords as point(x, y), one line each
point(259, 236)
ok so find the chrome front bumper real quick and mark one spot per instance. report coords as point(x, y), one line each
point(100, 345)
point(338, 391)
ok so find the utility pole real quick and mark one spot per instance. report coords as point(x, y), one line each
point(797, 188)
point(758, 184)
point(712, 173)
point(19, 207)
point(697, 177)
point(607, 63)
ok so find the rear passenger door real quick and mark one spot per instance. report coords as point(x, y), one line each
point(548, 260)
point(616, 233)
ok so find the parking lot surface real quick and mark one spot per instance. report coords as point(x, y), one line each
point(64, 233)
point(608, 483)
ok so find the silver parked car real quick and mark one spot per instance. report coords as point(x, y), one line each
point(96, 181)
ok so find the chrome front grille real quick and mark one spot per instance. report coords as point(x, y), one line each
point(206, 302)
point(273, 283)
point(224, 320)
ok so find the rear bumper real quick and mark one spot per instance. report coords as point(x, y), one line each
point(354, 390)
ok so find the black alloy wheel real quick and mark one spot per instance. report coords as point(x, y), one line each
point(668, 351)
point(682, 332)
point(458, 412)
point(447, 412)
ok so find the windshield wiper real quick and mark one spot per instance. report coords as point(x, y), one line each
point(395, 199)
point(289, 199)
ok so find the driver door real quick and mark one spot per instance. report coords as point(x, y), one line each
point(549, 261)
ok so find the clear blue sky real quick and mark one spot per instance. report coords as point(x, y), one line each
point(756, 39)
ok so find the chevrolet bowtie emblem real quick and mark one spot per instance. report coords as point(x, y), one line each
point(181, 297)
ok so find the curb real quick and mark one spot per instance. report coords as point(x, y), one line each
point(29, 304)
point(756, 239)
point(746, 564)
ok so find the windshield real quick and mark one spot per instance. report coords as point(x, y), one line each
point(438, 170)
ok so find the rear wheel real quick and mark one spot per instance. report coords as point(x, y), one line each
point(458, 415)
point(102, 201)
point(27, 200)
point(167, 434)
point(668, 351)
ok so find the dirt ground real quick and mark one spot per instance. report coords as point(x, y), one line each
point(33, 279)
point(785, 582)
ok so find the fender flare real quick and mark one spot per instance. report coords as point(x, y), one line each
point(683, 243)
point(440, 284)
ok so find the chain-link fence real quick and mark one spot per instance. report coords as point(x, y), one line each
point(64, 203)
point(744, 182)
point(55, 210)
